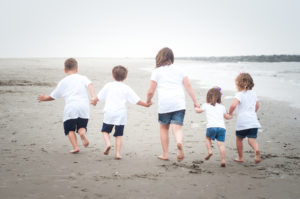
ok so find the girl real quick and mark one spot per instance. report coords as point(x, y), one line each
point(247, 123)
point(215, 114)
point(170, 82)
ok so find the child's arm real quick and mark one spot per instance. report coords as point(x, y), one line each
point(141, 103)
point(151, 91)
point(198, 110)
point(190, 90)
point(44, 98)
point(257, 106)
point(233, 106)
point(94, 98)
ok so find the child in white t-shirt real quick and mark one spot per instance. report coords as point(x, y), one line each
point(73, 89)
point(116, 94)
point(247, 123)
point(215, 114)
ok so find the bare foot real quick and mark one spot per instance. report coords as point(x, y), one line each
point(223, 164)
point(208, 156)
point(180, 154)
point(161, 157)
point(74, 151)
point(106, 152)
point(239, 160)
point(257, 158)
point(85, 141)
point(118, 157)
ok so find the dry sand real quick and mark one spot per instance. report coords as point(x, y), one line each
point(35, 162)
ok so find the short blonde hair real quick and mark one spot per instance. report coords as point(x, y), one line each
point(213, 96)
point(164, 57)
point(119, 73)
point(244, 81)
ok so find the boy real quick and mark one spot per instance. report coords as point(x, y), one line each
point(116, 94)
point(73, 88)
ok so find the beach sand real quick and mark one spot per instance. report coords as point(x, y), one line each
point(35, 162)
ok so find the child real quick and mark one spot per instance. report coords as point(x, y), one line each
point(247, 123)
point(116, 94)
point(73, 88)
point(170, 81)
point(215, 114)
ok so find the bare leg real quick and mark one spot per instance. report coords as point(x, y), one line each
point(239, 146)
point(208, 146)
point(221, 146)
point(73, 140)
point(252, 142)
point(84, 140)
point(164, 138)
point(118, 147)
point(177, 132)
point(107, 142)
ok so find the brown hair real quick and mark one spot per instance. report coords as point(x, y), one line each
point(119, 73)
point(213, 96)
point(164, 57)
point(244, 81)
point(71, 64)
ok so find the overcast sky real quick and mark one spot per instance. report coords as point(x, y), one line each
point(139, 28)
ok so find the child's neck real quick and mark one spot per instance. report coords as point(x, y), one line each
point(71, 72)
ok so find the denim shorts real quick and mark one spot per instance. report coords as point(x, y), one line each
point(175, 117)
point(75, 124)
point(216, 133)
point(250, 133)
point(119, 129)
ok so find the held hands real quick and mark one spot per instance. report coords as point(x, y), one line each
point(198, 110)
point(94, 101)
point(41, 97)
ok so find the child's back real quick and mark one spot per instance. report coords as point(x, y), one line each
point(116, 94)
point(246, 114)
point(73, 89)
point(214, 115)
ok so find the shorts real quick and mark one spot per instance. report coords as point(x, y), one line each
point(250, 133)
point(216, 133)
point(75, 125)
point(175, 117)
point(119, 129)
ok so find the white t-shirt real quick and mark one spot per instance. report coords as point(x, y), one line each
point(214, 115)
point(170, 89)
point(73, 89)
point(116, 94)
point(246, 115)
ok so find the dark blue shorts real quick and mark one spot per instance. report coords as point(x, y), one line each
point(250, 133)
point(216, 133)
point(175, 117)
point(75, 124)
point(119, 129)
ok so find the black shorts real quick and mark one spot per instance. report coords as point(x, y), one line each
point(250, 133)
point(119, 129)
point(75, 124)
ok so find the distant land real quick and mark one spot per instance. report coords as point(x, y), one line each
point(248, 58)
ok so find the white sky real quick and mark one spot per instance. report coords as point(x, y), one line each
point(139, 28)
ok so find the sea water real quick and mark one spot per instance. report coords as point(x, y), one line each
point(277, 81)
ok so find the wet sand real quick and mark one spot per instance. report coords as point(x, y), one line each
point(35, 162)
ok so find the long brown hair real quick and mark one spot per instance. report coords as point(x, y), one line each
point(213, 96)
point(164, 57)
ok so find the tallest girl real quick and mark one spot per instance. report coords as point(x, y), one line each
point(170, 81)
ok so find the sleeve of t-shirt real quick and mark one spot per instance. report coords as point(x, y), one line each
point(238, 96)
point(58, 91)
point(86, 81)
point(154, 76)
point(132, 97)
point(102, 93)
